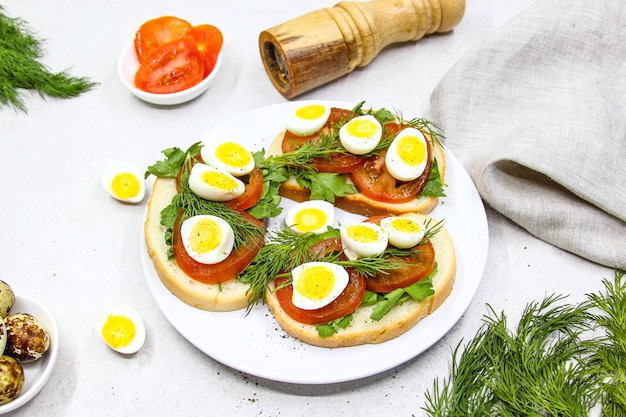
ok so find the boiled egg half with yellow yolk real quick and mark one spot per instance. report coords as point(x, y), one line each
point(402, 231)
point(317, 284)
point(122, 329)
point(228, 155)
point(361, 134)
point(306, 120)
point(124, 182)
point(207, 239)
point(407, 155)
point(312, 216)
point(214, 184)
point(363, 239)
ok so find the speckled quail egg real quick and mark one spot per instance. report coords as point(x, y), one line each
point(3, 335)
point(7, 299)
point(11, 379)
point(124, 182)
point(123, 329)
point(306, 120)
point(361, 134)
point(214, 184)
point(363, 239)
point(207, 239)
point(228, 155)
point(27, 339)
point(402, 231)
point(312, 216)
point(407, 155)
point(317, 284)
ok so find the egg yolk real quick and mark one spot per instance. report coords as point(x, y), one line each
point(362, 233)
point(411, 150)
point(361, 128)
point(233, 154)
point(205, 236)
point(125, 185)
point(219, 180)
point(310, 219)
point(316, 282)
point(310, 112)
point(118, 331)
point(406, 225)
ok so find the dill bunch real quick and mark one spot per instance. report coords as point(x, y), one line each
point(20, 68)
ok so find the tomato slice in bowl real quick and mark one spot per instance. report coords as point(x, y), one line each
point(209, 40)
point(173, 67)
point(157, 32)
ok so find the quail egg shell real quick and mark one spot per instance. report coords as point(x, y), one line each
point(363, 239)
point(306, 120)
point(11, 379)
point(407, 155)
point(3, 335)
point(317, 284)
point(228, 155)
point(361, 134)
point(214, 184)
point(402, 231)
point(124, 181)
point(123, 329)
point(312, 216)
point(7, 299)
point(27, 339)
point(207, 239)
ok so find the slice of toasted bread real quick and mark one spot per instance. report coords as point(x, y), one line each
point(362, 329)
point(228, 296)
point(359, 203)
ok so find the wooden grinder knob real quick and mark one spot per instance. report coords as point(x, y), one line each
point(321, 46)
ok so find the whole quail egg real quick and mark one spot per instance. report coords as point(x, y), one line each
point(7, 299)
point(27, 339)
point(11, 379)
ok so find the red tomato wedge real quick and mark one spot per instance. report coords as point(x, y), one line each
point(173, 67)
point(223, 271)
point(252, 193)
point(157, 32)
point(347, 302)
point(209, 42)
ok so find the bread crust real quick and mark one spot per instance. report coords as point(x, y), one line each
point(358, 203)
point(362, 329)
point(228, 296)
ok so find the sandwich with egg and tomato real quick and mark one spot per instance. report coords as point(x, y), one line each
point(365, 162)
point(365, 282)
point(205, 222)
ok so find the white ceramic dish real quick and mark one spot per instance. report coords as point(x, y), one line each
point(255, 344)
point(36, 373)
point(128, 64)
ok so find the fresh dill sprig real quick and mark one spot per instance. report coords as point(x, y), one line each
point(20, 67)
point(554, 364)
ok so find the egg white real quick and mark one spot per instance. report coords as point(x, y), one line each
point(361, 134)
point(356, 242)
point(131, 314)
point(228, 155)
point(193, 234)
point(402, 231)
point(214, 184)
point(312, 216)
point(406, 161)
point(124, 181)
point(308, 276)
point(306, 120)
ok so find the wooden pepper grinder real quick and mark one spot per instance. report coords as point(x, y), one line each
point(321, 46)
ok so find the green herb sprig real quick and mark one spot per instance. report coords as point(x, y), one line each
point(20, 68)
point(562, 360)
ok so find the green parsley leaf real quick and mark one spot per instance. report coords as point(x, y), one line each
point(331, 328)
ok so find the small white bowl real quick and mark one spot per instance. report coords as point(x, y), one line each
point(128, 64)
point(36, 373)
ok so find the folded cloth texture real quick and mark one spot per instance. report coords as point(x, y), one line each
point(537, 115)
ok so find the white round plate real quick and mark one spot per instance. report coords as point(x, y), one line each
point(36, 373)
point(128, 64)
point(256, 345)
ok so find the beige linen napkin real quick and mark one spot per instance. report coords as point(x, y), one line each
point(537, 115)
